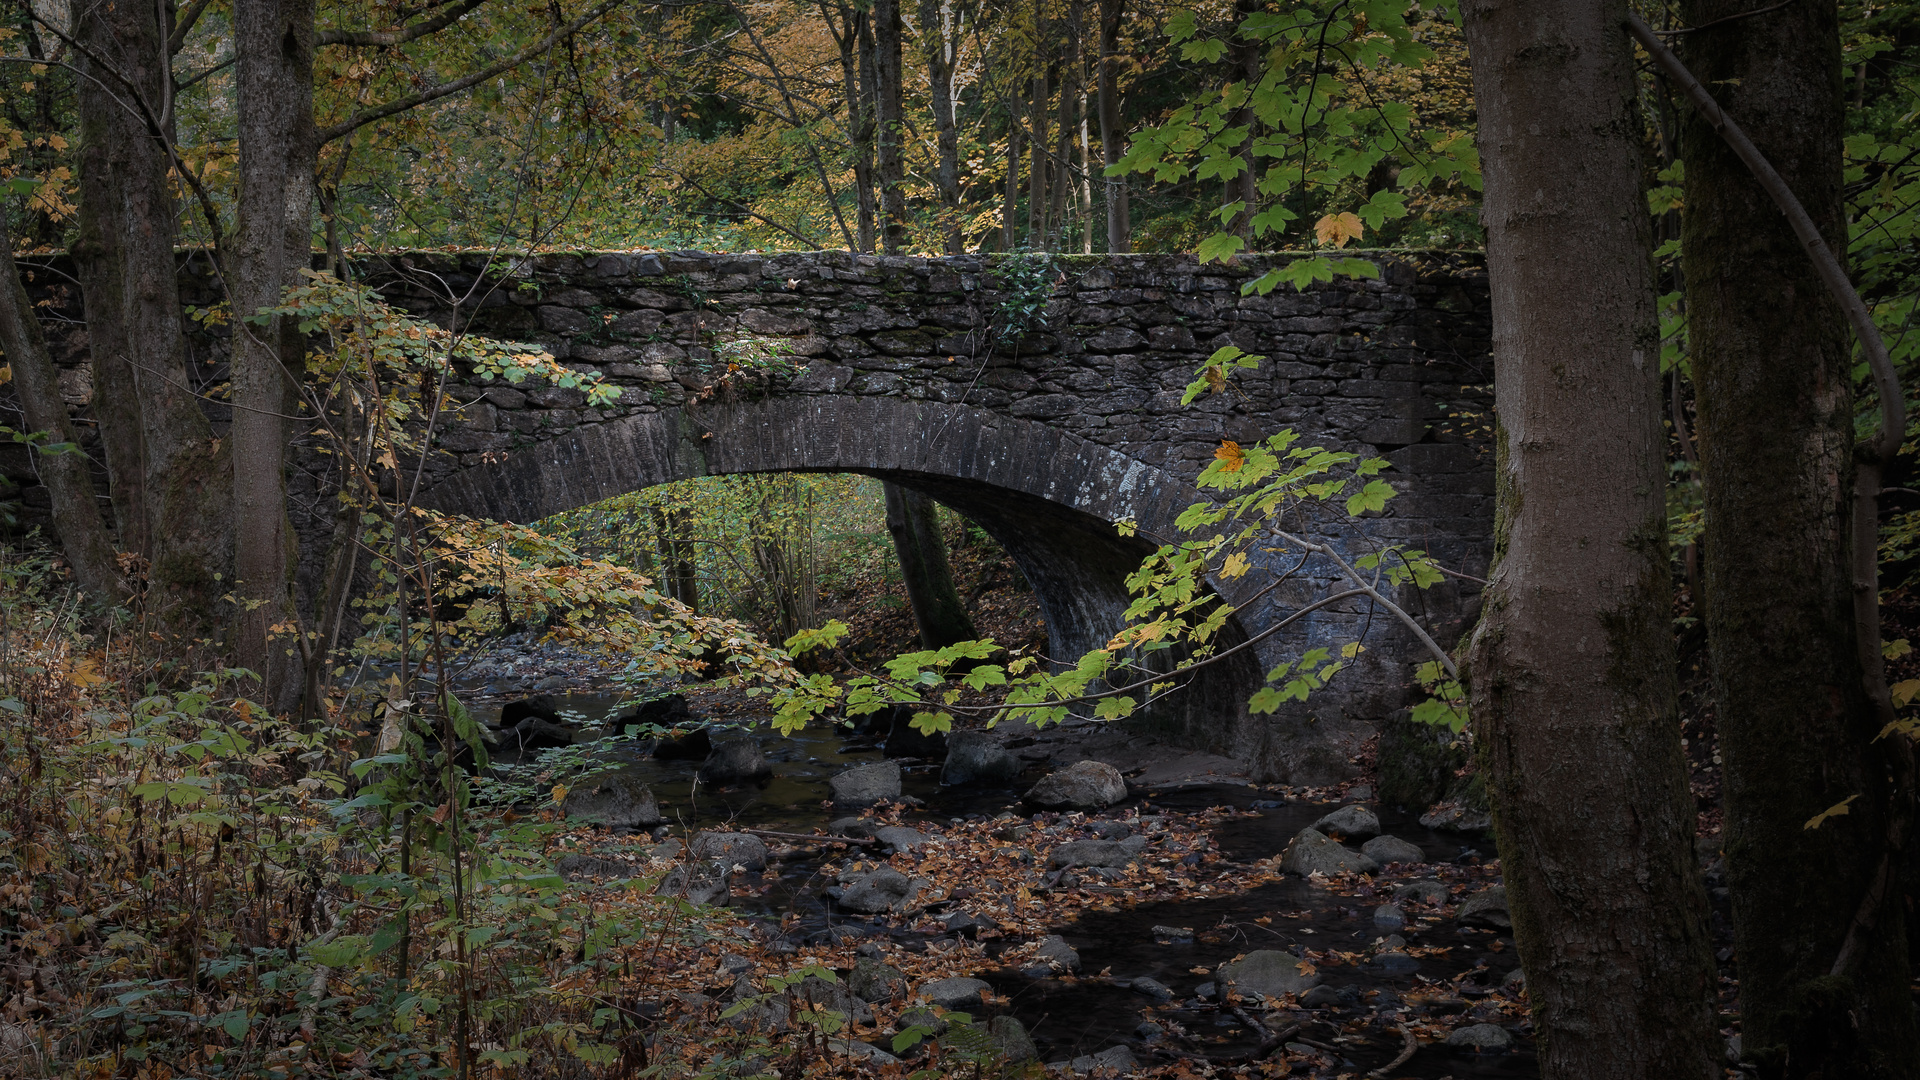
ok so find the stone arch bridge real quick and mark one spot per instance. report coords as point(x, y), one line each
point(912, 370)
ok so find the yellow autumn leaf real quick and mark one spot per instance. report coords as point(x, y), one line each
point(1338, 229)
point(559, 794)
point(1904, 692)
point(1230, 455)
point(1236, 565)
point(1839, 809)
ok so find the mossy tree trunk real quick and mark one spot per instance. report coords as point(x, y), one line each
point(1572, 666)
point(913, 521)
point(1772, 369)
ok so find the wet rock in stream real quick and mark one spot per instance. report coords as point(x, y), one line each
point(1392, 849)
point(1314, 852)
point(699, 882)
point(1350, 823)
point(865, 785)
point(977, 757)
point(881, 889)
point(743, 850)
point(1422, 892)
point(1096, 853)
point(735, 759)
point(954, 993)
point(1268, 973)
point(693, 746)
point(1481, 1038)
point(618, 800)
point(1084, 785)
point(1486, 908)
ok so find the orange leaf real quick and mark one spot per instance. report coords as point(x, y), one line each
point(1231, 454)
point(1338, 229)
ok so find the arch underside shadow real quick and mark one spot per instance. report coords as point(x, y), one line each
point(1049, 498)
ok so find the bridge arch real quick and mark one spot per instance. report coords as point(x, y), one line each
point(1048, 497)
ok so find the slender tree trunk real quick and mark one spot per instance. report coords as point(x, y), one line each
point(888, 69)
point(940, 32)
point(1773, 359)
point(937, 608)
point(1037, 136)
point(1119, 223)
point(864, 131)
point(855, 41)
point(100, 264)
point(65, 472)
point(274, 42)
point(1572, 667)
point(1244, 55)
point(1060, 167)
point(1010, 206)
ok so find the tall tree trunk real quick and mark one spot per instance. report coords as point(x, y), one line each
point(940, 31)
point(937, 608)
point(1061, 171)
point(864, 130)
point(1772, 370)
point(1119, 223)
point(1572, 664)
point(1244, 55)
point(65, 472)
point(100, 265)
point(888, 69)
point(273, 40)
point(159, 448)
point(1037, 136)
point(1010, 206)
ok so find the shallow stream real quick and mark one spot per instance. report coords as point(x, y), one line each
point(1070, 1017)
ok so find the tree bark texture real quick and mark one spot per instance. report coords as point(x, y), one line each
point(863, 132)
point(1010, 203)
point(889, 69)
point(162, 459)
point(1037, 136)
point(1772, 372)
point(1572, 665)
point(1119, 221)
point(937, 608)
point(66, 474)
point(274, 44)
point(1244, 55)
point(940, 30)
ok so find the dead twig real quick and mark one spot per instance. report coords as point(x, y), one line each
point(1406, 1053)
point(812, 838)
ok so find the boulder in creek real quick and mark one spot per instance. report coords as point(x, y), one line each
point(1353, 823)
point(695, 745)
point(1487, 908)
point(1456, 817)
point(897, 838)
point(744, 850)
point(1010, 1035)
point(1084, 785)
point(864, 785)
point(1057, 954)
point(669, 711)
point(1392, 849)
point(955, 993)
point(735, 759)
point(1481, 1039)
point(700, 881)
point(976, 757)
point(541, 708)
point(816, 993)
point(618, 800)
point(1314, 852)
point(881, 889)
point(534, 733)
point(1423, 892)
point(1113, 1061)
point(1114, 853)
point(1267, 973)
point(872, 980)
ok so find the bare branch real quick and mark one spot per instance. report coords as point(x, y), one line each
point(183, 24)
point(433, 93)
point(387, 38)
